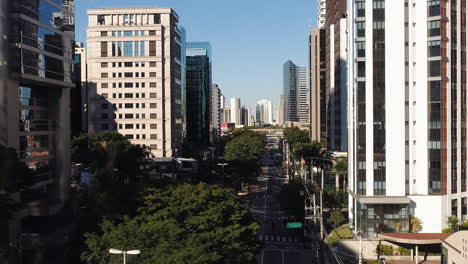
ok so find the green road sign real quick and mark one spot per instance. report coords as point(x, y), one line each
point(294, 225)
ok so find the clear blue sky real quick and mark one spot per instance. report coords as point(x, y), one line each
point(251, 39)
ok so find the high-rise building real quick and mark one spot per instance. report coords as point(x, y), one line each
point(317, 82)
point(336, 79)
point(295, 92)
point(216, 112)
point(235, 111)
point(281, 111)
point(198, 87)
point(183, 81)
point(407, 115)
point(245, 116)
point(36, 64)
point(134, 76)
point(78, 95)
point(264, 112)
point(321, 13)
point(303, 96)
point(226, 114)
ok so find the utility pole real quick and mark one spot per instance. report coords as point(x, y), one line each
point(321, 207)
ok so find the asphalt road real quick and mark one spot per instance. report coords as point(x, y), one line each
point(280, 244)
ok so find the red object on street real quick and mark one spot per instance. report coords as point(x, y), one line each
point(303, 161)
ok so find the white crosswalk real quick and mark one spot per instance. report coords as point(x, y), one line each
point(277, 238)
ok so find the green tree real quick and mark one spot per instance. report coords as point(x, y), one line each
point(342, 232)
point(336, 218)
point(111, 151)
point(416, 224)
point(199, 224)
point(295, 135)
point(13, 172)
point(243, 153)
point(340, 167)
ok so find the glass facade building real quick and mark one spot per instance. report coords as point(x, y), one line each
point(198, 85)
point(36, 80)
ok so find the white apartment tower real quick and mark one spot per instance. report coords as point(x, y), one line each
point(235, 111)
point(407, 114)
point(264, 111)
point(134, 66)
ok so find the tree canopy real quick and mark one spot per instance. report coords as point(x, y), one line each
point(197, 224)
point(243, 153)
point(108, 150)
point(295, 135)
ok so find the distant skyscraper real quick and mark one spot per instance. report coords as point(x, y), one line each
point(281, 111)
point(245, 116)
point(263, 112)
point(303, 96)
point(198, 87)
point(236, 111)
point(216, 113)
point(295, 92)
point(226, 114)
point(134, 73)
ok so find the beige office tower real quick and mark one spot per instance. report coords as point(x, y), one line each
point(134, 65)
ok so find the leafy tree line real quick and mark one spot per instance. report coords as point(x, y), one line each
point(243, 151)
point(180, 224)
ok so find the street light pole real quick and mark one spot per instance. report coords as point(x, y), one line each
point(222, 172)
point(124, 253)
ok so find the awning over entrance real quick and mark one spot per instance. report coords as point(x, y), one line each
point(414, 238)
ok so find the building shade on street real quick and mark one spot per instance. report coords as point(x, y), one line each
point(134, 76)
point(407, 114)
point(198, 86)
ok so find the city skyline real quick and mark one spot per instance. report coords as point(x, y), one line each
point(259, 76)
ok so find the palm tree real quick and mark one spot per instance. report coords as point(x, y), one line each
point(340, 167)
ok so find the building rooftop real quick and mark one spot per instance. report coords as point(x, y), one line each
point(123, 10)
point(415, 238)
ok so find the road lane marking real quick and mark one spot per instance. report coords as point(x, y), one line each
point(263, 251)
point(282, 255)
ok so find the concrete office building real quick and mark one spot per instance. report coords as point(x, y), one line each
point(235, 111)
point(198, 88)
point(134, 74)
point(264, 112)
point(317, 84)
point(407, 114)
point(295, 92)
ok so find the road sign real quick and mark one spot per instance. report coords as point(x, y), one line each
point(294, 225)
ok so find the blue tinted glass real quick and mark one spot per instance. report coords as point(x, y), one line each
point(136, 49)
point(128, 48)
point(128, 33)
point(142, 48)
point(119, 48)
point(119, 33)
point(142, 33)
point(137, 32)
